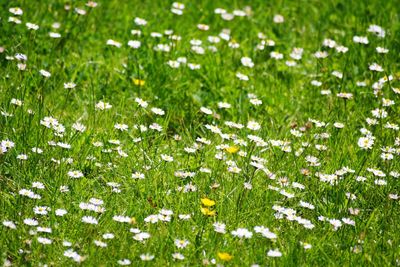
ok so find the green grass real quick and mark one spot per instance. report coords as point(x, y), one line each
point(290, 103)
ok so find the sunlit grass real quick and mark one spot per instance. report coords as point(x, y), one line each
point(199, 133)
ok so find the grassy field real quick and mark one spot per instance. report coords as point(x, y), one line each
point(234, 133)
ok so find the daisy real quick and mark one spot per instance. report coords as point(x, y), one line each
point(365, 142)
point(274, 253)
point(137, 175)
point(247, 62)
point(316, 83)
point(158, 111)
point(100, 243)
point(108, 236)
point(134, 44)
point(276, 55)
point(380, 182)
point(194, 66)
point(321, 54)
point(89, 220)
point(122, 219)
point(80, 11)
point(242, 233)
point(113, 43)
point(124, 262)
point(338, 125)
point(140, 21)
point(79, 127)
point(329, 43)
point(156, 127)
point(54, 35)
point(253, 125)
point(242, 77)
point(178, 256)
point(265, 232)
point(9, 224)
point(103, 105)
point(22, 157)
point(227, 16)
point(16, 11)
point(146, 257)
point(174, 64)
point(31, 222)
point(360, 40)
point(375, 67)
point(91, 4)
point(382, 50)
point(167, 158)
point(122, 127)
point(45, 73)
point(44, 241)
point(378, 30)
point(136, 32)
point(177, 11)
point(60, 212)
point(206, 110)
point(203, 27)
point(141, 236)
point(234, 169)
point(181, 243)
point(348, 221)
point(75, 174)
point(14, 20)
point(341, 49)
point(255, 101)
point(141, 102)
point(69, 85)
point(335, 223)
point(184, 217)
point(41, 210)
point(278, 19)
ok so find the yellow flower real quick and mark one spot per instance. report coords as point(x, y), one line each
point(207, 202)
point(133, 220)
point(225, 256)
point(138, 82)
point(232, 149)
point(208, 212)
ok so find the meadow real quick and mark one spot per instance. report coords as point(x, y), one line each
point(215, 132)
